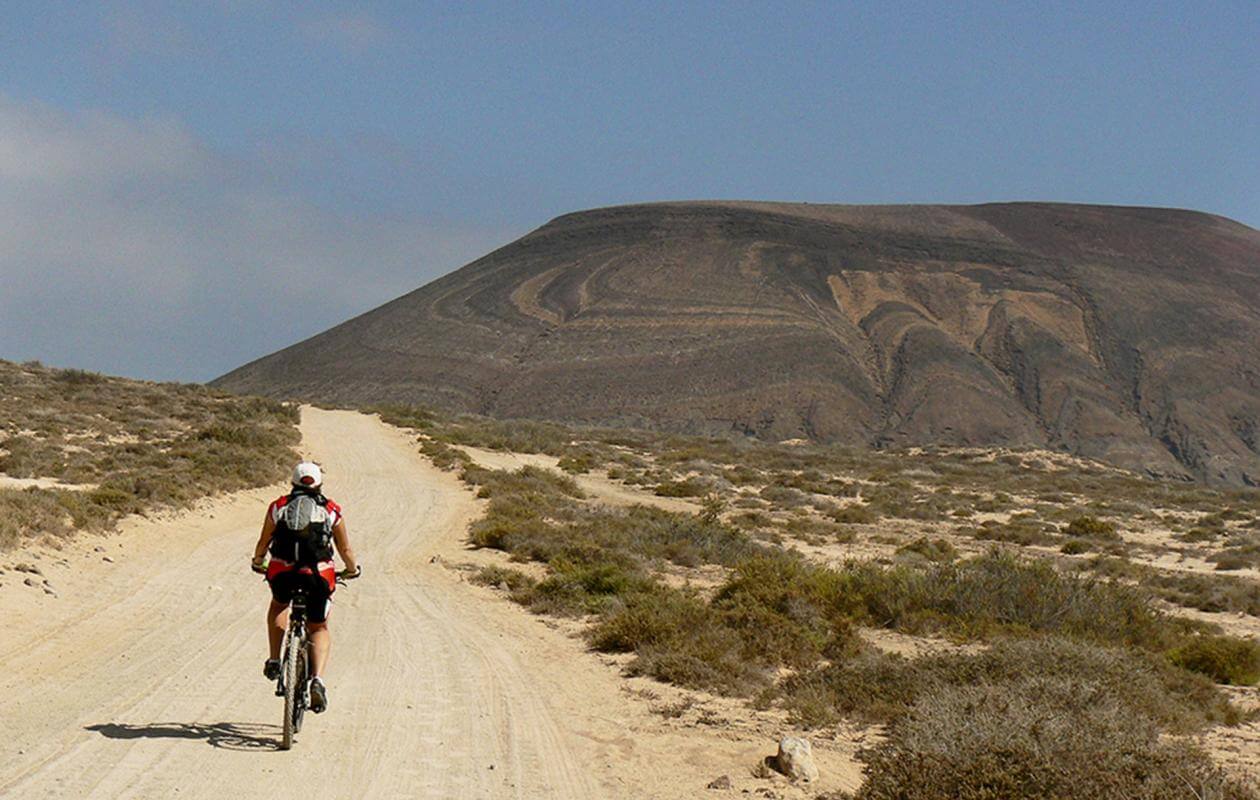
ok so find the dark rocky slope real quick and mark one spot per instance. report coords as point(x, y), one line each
point(1126, 334)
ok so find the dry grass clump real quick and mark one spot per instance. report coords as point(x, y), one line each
point(142, 445)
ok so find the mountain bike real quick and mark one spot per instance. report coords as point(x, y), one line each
point(295, 658)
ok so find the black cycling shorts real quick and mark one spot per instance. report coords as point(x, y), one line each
point(318, 599)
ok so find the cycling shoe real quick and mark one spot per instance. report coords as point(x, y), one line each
point(319, 695)
point(271, 669)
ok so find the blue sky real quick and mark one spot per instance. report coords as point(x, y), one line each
point(189, 186)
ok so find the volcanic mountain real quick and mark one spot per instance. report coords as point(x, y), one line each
point(1130, 335)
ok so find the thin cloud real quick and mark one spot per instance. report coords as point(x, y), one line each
point(144, 28)
point(130, 246)
point(351, 31)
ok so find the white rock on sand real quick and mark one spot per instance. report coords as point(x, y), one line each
point(796, 759)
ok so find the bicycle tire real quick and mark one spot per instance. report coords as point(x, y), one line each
point(291, 696)
point(299, 695)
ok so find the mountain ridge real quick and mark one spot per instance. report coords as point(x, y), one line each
point(1122, 333)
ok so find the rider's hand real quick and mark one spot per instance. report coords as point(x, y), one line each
point(349, 575)
point(257, 565)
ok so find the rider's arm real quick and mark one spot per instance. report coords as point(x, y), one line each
point(264, 538)
point(342, 540)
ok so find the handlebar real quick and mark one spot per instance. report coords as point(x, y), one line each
point(342, 576)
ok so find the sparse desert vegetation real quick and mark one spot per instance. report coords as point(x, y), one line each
point(87, 449)
point(1054, 572)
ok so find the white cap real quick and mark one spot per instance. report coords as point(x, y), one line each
point(307, 475)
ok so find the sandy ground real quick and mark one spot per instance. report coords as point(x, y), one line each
point(130, 667)
point(595, 484)
point(7, 482)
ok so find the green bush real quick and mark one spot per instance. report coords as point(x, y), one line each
point(854, 515)
point(1225, 659)
point(939, 550)
point(585, 588)
point(1087, 527)
point(688, 487)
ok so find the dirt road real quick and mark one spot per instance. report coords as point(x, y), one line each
point(130, 666)
point(142, 677)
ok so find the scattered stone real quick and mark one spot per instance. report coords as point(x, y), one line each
point(109, 560)
point(720, 782)
point(503, 586)
point(31, 568)
point(49, 590)
point(796, 759)
point(99, 549)
point(31, 582)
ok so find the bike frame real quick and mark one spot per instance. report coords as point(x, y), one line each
point(295, 662)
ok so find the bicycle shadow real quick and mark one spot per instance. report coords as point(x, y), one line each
point(224, 735)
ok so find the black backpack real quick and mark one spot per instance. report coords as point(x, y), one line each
point(303, 533)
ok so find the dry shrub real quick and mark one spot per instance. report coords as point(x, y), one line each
point(443, 455)
point(775, 611)
point(1022, 532)
point(677, 637)
point(143, 445)
point(879, 687)
point(1214, 593)
point(1002, 592)
point(1045, 737)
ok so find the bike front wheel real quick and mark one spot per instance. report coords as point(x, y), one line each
point(292, 694)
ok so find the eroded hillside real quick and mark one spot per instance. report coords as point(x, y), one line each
point(1125, 334)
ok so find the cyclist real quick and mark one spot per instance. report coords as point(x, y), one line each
point(299, 531)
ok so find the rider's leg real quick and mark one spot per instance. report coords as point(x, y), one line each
point(277, 621)
point(320, 642)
